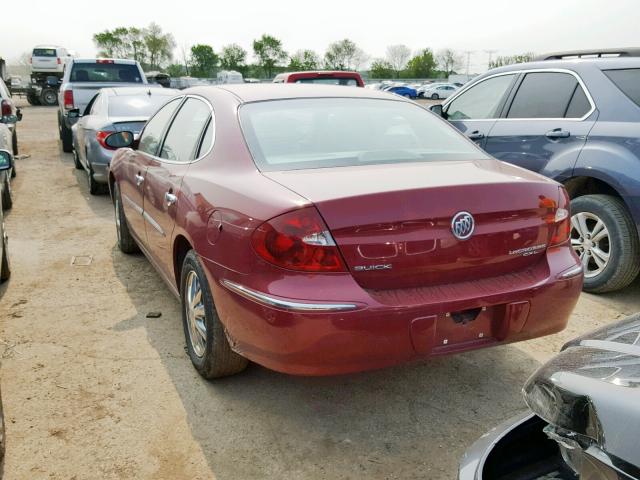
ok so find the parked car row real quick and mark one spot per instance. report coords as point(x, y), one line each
point(7, 166)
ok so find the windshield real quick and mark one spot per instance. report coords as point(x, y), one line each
point(334, 132)
point(105, 72)
point(136, 106)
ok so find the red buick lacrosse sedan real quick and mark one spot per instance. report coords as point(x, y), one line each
point(320, 230)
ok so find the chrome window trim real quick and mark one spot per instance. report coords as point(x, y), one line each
point(290, 305)
point(525, 71)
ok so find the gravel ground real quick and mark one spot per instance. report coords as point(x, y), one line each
point(94, 389)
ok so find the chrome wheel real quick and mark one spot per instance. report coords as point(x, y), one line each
point(590, 240)
point(194, 310)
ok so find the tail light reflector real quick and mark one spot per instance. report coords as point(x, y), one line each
point(6, 108)
point(561, 229)
point(68, 99)
point(101, 135)
point(298, 240)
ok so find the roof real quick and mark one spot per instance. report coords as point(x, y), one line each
point(150, 89)
point(256, 92)
point(322, 72)
point(95, 59)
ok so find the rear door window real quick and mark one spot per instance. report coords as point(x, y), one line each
point(351, 82)
point(548, 95)
point(185, 131)
point(482, 100)
point(155, 128)
point(44, 52)
point(627, 80)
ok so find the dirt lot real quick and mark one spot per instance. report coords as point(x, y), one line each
point(94, 389)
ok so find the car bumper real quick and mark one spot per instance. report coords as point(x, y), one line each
point(339, 327)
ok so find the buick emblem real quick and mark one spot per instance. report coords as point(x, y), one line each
point(462, 225)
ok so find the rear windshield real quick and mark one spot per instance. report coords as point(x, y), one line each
point(136, 106)
point(44, 52)
point(628, 81)
point(340, 132)
point(351, 82)
point(105, 72)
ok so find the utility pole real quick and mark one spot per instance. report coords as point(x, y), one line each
point(468, 52)
point(490, 52)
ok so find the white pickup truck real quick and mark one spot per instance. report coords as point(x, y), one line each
point(83, 79)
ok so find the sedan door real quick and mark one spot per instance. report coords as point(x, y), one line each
point(546, 125)
point(475, 110)
point(164, 179)
point(134, 168)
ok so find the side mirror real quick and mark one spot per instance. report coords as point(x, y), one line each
point(75, 113)
point(120, 140)
point(9, 118)
point(437, 109)
point(6, 160)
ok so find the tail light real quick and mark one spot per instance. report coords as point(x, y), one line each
point(59, 61)
point(6, 108)
point(561, 229)
point(68, 99)
point(101, 135)
point(30, 60)
point(298, 240)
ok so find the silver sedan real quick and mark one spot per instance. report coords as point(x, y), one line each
point(111, 110)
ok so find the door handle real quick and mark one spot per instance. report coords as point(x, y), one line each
point(170, 198)
point(139, 179)
point(476, 135)
point(558, 133)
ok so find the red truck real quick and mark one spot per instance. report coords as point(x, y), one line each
point(326, 77)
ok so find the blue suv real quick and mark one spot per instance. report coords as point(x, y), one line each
point(574, 117)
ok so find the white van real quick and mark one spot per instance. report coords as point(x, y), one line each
point(229, 76)
point(48, 59)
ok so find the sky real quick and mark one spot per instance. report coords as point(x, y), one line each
point(507, 27)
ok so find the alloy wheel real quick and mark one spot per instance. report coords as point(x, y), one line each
point(591, 242)
point(194, 309)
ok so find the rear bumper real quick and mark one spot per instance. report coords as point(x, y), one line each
point(339, 328)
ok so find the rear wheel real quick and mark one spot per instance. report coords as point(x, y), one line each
point(605, 238)
point(49, 97)
point(7, 199)
point(207, 343)
point(95, 188)
point(14, 143)
point(76, 160)
point(65, 136)
point(126, 242)
point(32, 98)
point(435, 96)
point(5, 272)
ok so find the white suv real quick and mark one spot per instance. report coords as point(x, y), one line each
point(48, 58)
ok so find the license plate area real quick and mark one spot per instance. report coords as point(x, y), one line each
point(474, 325)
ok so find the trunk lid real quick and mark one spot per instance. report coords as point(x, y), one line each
point(393, 223)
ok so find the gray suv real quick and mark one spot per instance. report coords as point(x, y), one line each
point(574, 117)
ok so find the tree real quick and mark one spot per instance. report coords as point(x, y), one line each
point(176, 70)
point(422, 65)
point(380, 68)
point(204, 61)
point(233, 57)
point(448, 61)
point(269, 53)
point(344, 55)
point(159, 45)
point(113, 43)
point(397, 57)
point(509, 60)
point(134, 37)
point(304, 60)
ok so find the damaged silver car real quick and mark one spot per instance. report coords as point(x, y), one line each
point(584, 421)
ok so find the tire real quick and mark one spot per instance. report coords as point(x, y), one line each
point(95, 188)
point(126, 242)
point(618, 240)
point(33, 99)
point(5, 273)
point(14, 142)
point(435, 96)
point(210, 353)
point(66, 137)
point(76, 160)
point(7, 199)
point(49, 97)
